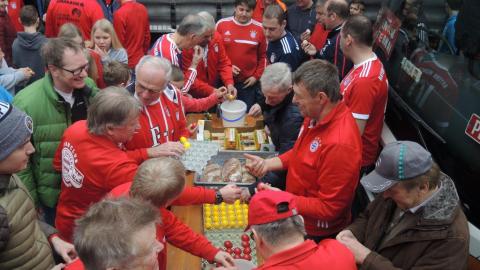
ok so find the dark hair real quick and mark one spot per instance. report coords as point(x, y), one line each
point(249, 3)
point(319, 76)
point(53, 50)
point(360, 28)
point(455, 4)
point(275, 12)
point(358, 2)
point(177, 74)
point(339, 7)
point(28, 15)
point(115, 73)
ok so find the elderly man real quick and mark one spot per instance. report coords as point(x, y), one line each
point(162, 122)
point(282, 118)
point(324, 163)
point(91, 155)
point(214, 65)
point(301, 17)
point(278, 231)
point(23, 238)
point(54, 103)
point(416, 223)
point(192, 31)
point(336, 14)
point(282, 45)
point(117, 234)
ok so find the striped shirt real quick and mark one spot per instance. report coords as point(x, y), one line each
point(286, 50)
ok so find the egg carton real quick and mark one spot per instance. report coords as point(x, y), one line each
point(198, 155)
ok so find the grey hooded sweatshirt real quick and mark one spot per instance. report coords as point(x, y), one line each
point(26, 52)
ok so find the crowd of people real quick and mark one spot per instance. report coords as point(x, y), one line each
point(91, 116)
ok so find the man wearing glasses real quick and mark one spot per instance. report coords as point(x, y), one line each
point(54, 102)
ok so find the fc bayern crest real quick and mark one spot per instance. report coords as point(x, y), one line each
point(253, 34)
point(314, 145)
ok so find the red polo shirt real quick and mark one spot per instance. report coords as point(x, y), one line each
point(328, 254)
point(323, 168)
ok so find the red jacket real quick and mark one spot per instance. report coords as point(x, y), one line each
point(175, 232)
point(7, 36)
point(246, 46)
point(133, 30)
point(319, 36)
point(259, 9)
point(217, 66)
point(14, 8)
point(323, 168)
point(199, 104)
point(91, 166)
point(328, 254)
point(82, 13)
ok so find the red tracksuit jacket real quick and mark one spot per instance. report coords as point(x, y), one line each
point(214, 66)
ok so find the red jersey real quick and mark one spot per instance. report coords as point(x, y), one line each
point(82, 13)
point(323, 168)
point(319, 36)
point(165, 47)
point(133, 30)
point(91, 166)
point(175, 232)
point(192, 104)
point(76, 264)
point(365, 91)
point(14, 8)
point(259, 9)
point(328, 254)
point(161, 122)
point(246, 46)
point(214, 66)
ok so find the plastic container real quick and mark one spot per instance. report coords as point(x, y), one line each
point(233, 113)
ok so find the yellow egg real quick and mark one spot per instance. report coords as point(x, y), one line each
point(237, 202)
point(183, 139)
point(208, 225)
point(240, 223)
point(186, 145)
point(224, 222)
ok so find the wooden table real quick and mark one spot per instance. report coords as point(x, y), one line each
point(192, 217)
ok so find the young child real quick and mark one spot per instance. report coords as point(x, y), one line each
point(28, 44)
point(106, 43)
point(161, 181)
point(116, 74)
point(357, 7)
point(196, 104)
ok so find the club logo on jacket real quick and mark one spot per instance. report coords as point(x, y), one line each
point(215, 48)
point(227, 33)
point(71, 176)
point(315, 144)
point(272, 58)
point(253, 34)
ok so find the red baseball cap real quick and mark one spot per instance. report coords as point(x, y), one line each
point(268, 206)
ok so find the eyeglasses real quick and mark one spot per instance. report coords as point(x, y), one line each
point(140, 88)
point(76, 72)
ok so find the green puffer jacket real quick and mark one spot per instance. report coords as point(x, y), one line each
point(51, 117)
point(23, 245)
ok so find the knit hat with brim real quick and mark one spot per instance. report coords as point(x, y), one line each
point(15, 129)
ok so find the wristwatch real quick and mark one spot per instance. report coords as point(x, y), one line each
point(218, 197)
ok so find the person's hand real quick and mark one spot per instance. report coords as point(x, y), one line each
point(27, 72)
point(309, 48)
point(305, 35)
point(225, 268)
point(360, 252)
point(221, 92)
point(59, 266)
point(256, 165)
point(232, 90)
point(64, 249)
point(230, 193)
point(197, 56)
point(235, 70)
point(245, 196)
point(255, 110)
point(266, 186)
point(166, 149)
point(103, 53)
point(89, 44)
point(192, 128)
point(249, 82)
point(224, 258)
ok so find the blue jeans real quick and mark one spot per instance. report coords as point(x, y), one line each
point(248, 94)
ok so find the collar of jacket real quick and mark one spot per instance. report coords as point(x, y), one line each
point(54, 97)
point(4, 183)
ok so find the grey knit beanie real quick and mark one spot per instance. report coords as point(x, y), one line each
point(15, 127)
